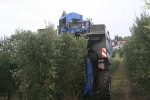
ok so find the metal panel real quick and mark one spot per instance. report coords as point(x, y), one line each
point(71, 16)
point(89, 73)
point(99, 42)
point(98, 29)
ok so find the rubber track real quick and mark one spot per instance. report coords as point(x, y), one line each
point(104, 85)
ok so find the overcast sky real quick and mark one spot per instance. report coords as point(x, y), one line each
point(117, 15)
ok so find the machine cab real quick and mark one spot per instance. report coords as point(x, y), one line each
point(72, 23)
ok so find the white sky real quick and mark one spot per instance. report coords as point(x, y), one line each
point(117, 15)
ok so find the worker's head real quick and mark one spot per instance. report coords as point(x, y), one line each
point(64, 12)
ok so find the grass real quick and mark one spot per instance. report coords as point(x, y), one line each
point(117, 83)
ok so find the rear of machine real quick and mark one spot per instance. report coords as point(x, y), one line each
point(98, 61)
point(99, 53)
point(99, 43)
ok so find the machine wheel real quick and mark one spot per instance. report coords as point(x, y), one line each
point(104, 85)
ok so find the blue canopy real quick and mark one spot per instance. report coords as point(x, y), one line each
point(71, 16)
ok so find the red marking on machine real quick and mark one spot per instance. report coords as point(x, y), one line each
point(103, 68)
point(103, 52)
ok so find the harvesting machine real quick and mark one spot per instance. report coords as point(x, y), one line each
point(99, 54)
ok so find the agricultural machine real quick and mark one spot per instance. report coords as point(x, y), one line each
point(99, 53)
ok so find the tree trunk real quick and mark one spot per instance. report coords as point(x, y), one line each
point(73, 94)
point(8, 95)
point(20, 96)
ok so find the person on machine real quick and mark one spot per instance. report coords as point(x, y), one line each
point(64, 13)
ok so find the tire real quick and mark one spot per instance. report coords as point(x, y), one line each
point(104, 85)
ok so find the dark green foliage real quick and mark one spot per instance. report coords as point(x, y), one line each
point(115, 63)
point(35, 59)
point(120, 38)
point(137, 53)
point(70, 66)
point(127, 38)
point(7, 82)
point(48, 66)
point(114, 52)
point(121, 51)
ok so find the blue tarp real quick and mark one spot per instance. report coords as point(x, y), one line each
point(71, 16)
